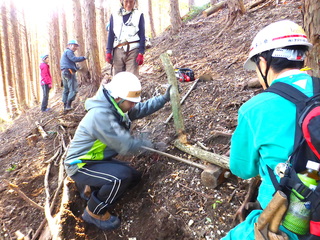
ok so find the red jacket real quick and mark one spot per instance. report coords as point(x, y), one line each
point(45, 74)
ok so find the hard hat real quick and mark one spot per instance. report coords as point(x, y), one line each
point(73, 42)
point(276, 35)
point(43, 57)
point(125, 85)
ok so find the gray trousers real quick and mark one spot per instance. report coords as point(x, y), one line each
point(70, 86)
point(125, 61)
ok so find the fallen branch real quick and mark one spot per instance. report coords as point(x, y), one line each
point(54, 229)
point(216, 159)
point(214, 9)
point(22, 195)
point(40, 129)
point(256, 4)
point(55, 155)
point(183, 99)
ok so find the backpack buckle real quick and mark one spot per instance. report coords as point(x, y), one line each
point(302, 191)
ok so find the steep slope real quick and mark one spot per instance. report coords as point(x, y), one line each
point(170, 202)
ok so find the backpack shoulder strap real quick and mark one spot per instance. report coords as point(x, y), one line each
point(288, 92)
point(316, 85)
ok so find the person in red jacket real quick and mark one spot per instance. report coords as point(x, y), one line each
point(46, 82)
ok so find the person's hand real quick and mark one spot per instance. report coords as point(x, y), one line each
point(87, 55)
point(166, 95)
point(50, 85)
point(109, 58)
point(139, 59)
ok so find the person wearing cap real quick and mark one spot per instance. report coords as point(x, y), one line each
point(126, 39)
point(46, 82)
point(103, 133)
point(264, 136)
point(68, 73)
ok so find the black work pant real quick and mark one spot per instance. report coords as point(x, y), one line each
point(109, 180)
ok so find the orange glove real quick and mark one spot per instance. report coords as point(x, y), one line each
point(109, 58)
point(139, 59)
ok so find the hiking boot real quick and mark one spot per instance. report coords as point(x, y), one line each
point(68, 106)
point(104, 222)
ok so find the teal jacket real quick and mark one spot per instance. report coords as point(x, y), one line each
point(265, 137)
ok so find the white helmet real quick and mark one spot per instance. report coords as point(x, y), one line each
point(276, 35)
point(125, 85)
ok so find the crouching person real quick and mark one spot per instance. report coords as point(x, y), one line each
point(103, 133)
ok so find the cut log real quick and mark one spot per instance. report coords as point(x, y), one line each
point(184, 98)
point(216, 159)
point(214, 9)
point(40, 129)
point(174, 97)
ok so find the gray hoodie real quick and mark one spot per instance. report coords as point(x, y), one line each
point(104, 132)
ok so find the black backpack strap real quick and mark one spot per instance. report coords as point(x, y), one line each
point(316, 85)
point(288, 92)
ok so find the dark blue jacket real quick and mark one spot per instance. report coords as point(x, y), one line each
point(68, 60)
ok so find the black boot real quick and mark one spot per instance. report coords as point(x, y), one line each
point(68, 106)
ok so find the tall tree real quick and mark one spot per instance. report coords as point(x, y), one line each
point(10, 96)
point(83, 74)
point(102, 32)
point(311, 22)
point(27, 62)
point(17, 57)
point(54, 43)
point(153, 31)
point(91, 42)
point(63, 28)
point(175, 16)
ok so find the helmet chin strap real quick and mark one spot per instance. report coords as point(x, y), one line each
point(269, 60)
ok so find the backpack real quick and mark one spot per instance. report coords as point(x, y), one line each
point(306, 147)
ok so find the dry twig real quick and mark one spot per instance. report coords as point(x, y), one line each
point(22, 195)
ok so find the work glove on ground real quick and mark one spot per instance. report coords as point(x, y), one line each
point(109, 58)
point(139, 59)
point(166, 95)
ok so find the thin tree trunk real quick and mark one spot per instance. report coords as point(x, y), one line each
point(17, 58)
point(63, 29)
point(29, 76)
point(83, 75)
point(175, 16)
point(54, 43)
point(102, 33)
point(11, 100)
point(153, 31)
point(91, 42)
point(311, 22)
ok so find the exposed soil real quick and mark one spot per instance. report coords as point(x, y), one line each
point(170, 202)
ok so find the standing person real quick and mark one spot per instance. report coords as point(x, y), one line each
point(46, 82)
point(69, 68)
point(265, 133)
point(126, 39)
point(103, 133)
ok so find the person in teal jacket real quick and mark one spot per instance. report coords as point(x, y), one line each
point(266, 123)
point(102, 134)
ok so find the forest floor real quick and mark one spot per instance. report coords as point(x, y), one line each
point(171, 202)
